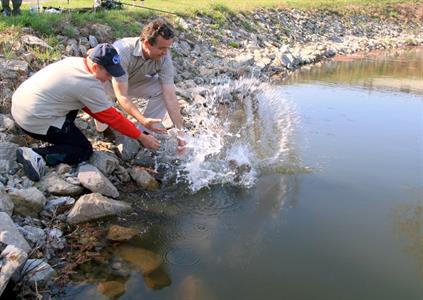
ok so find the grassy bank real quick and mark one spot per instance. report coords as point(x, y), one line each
point(191, 7)
point(126, 21)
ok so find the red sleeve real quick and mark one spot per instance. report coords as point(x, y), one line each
point(116, 120)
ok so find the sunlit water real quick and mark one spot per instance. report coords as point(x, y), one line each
point(331, 208)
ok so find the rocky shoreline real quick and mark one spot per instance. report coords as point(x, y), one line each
point(36, 219)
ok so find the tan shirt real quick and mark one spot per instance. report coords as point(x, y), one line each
point(49, 95)
point(140, 70)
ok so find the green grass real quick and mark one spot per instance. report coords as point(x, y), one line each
point(128, 21)
point(191, 6)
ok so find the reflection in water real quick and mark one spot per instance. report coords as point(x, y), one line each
point(399, 70)
point(409, 219)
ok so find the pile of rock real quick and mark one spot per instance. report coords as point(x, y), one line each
point(267, 44)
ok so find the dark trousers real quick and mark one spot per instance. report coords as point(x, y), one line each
point(69, 144)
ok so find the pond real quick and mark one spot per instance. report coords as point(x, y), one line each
point(333, 209)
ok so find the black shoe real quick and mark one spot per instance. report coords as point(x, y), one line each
point(16, 12)
point(33, 163)
point(5, 13)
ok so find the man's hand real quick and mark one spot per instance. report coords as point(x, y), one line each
point(180, 149)
point(154, 125)
point(149, 141)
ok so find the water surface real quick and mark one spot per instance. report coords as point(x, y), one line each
point(338, 216)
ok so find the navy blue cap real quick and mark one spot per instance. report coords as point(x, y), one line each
point(107, 56)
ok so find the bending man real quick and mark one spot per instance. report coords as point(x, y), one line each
point(149, 75)
point(46, 105)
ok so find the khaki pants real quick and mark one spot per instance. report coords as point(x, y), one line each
point(148, 97)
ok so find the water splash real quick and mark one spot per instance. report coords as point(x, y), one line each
point(242, 128)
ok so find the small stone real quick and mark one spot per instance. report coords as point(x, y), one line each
point(111, 289)
point(118, 233)
point(63, 168)
point(143, 179)
point(145, 260)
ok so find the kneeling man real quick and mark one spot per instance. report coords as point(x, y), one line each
point(45, 107)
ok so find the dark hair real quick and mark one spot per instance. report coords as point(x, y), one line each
point(155, 28)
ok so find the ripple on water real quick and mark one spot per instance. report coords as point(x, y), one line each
point(181, 257)
point(208, 206)
point(188, 233)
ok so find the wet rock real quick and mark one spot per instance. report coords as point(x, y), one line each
point(144, 260)
point(122, 174)
point(92, 179)
point(11, 260)
point(55, 185)
point(37, 271)
point(59, 205)
point(94, 206)
point(118, 233)
point(34, 235)
point(143, 179)
point(157, 279)
point(33, 41)
point(6, 205)
point(105, 162)
point(127, 148)
point(111, 289)
point(10, 235)
point(28, 202)
point(145, 158)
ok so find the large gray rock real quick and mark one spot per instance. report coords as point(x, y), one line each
point(38, 271)
point(34, 41)
point(28, 202)
point(94, 206)
point(104, 161)
point(55, 185)
point(12, 68)
point(6, 205)
point(8, 151)
point(10, 235)
point(102, 32)
point(127, 148)
point(143, 179)
point(91, 178)
point(11, 259)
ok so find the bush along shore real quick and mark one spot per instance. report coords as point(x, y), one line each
point(44, 227)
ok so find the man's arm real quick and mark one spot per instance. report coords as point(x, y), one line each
point(169, 96)
point(121, 92)
point(118, 122)
point(172, 105)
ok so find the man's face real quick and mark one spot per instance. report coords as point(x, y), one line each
point(158, 50)
point(101, 73)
